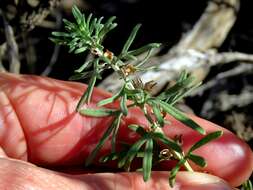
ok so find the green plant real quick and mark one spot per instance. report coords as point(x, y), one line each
point(87, 34)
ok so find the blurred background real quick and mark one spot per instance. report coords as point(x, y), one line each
point(226, 96)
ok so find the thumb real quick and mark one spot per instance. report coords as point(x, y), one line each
point(24, 175)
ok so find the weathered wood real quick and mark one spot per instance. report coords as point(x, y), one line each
point(212, 28)
point(193, 51)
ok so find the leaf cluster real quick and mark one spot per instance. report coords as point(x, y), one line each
point(85, 34)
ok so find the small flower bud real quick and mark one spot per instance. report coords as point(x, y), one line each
point(149, 85)
point(108, 54)
point(128, 69)
point(137, 82)
point(166, 154)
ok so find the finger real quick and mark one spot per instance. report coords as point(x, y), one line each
point(12, 138)
point(56, 135)
point(19, 175)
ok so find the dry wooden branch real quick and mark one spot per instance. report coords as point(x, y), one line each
point(240, 69)
point(2, 52)
point(56, 50)
point(212, 28)
point(29, 21)
point(190, 53)
point(223, 102)
point(228, 57)
point(12, 47)
point(241, 124)
point(191, 60)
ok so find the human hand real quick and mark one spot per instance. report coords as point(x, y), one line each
point(39, 125)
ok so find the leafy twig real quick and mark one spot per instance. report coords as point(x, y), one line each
point(56, 50)
point(87, 34)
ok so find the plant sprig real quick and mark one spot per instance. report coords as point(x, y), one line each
point(87, 34)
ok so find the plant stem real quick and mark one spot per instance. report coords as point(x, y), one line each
point(130, 85)
point(186, 163)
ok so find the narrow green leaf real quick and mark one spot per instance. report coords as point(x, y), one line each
point(147, 160)
point(161, 137)
point(87, 94)
point(176, 88)
point(144, 49)
point(105, 30)
point(110, 21)
point(75, 40)
point(138, 129)
point(97, 112)
point(206, 139)
point(81, 50)
point(112, 156)
point(158, 114)
point(133, 92)
point(183, 94)
point(123, 105)
point(73, 43)
point(129, 57)
point(99, 26)
point(88, 21)
point(86, 65)
point(69, 25)
point(100, 21)
point(109, 100)
point(183, 76)
point(99, 145)
point(247, 185)
point(131, 38)
point(77, 14)
point(61, 34)
point(93, 25)
point(116, 124)
point(126, 161)
point(180, 116)
point(139, 170)
point(106, 158)
point(174, 172)
point(71, 48)
point(105, 59)
point(197, 160)
point(79, 76)
point(140, 154)
point(58, 41)
point(145, 59)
